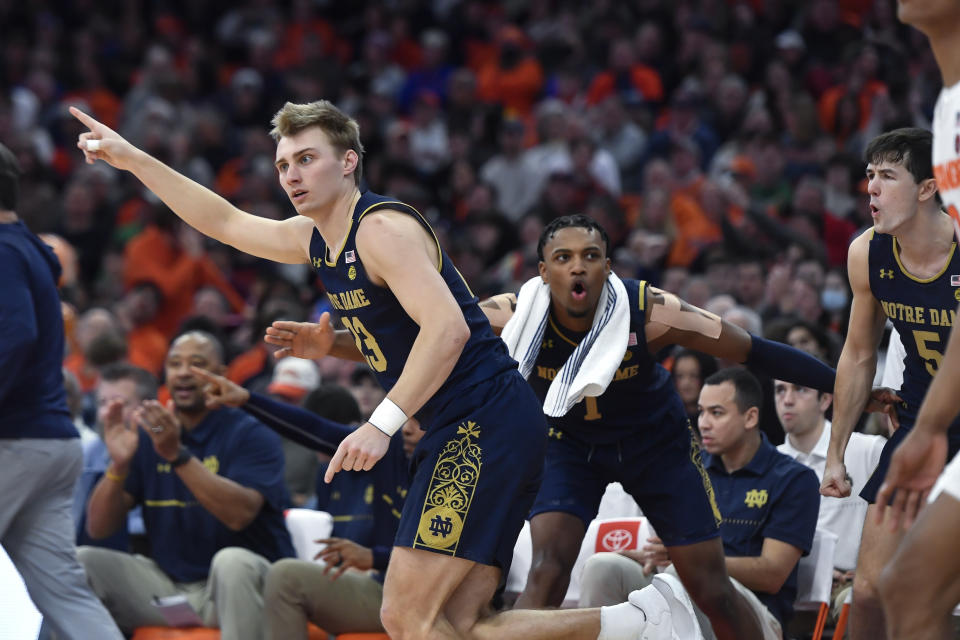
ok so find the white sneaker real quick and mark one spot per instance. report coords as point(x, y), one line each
point(683, 617)
point(662, 611)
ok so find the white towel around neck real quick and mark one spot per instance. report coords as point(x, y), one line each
point(594, 362)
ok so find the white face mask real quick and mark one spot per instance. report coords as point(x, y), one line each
point(833, 299)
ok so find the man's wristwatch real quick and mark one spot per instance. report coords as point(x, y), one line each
point(183, 457)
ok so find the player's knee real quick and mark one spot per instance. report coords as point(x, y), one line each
point(400, 625)
point(232, 564)
point(282, 578)
point(549, 566)
point(715, 597)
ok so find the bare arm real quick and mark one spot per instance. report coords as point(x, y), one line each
point(942, 402)
point(108, 505)
point(397, 250)
point(671, 320)
point(768, 571)
point(109, 502)
point(499, 309)
point(285, 241)
point(399, 254)
point(856, 367)
point(232, 504)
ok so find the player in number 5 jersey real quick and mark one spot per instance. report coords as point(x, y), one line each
point(919, 586)
point(906, 268)
point(408, 313)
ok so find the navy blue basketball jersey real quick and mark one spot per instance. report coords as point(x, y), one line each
point(923, 311)
point(383, 331)
point(641, 394)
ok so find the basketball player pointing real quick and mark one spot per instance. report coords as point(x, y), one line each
point(412, 318)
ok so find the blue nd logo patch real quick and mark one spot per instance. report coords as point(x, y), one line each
point(352, 273)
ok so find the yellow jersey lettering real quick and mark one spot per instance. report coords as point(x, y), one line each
point(626, 372)
point(925, 349)
point(332, 297)
point(546, 373)
point(349, 300)
point(918, 315)
point(909, 312)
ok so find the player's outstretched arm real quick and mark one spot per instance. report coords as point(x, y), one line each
point(499, 309)
point(856, 367)
point(671, 320)
point(282, 241)
point(397, 250)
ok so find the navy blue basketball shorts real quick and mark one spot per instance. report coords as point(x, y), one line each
point(665, 475)
point(476, 474)
point(870, 490)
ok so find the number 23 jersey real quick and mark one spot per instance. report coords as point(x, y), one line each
point(383, 331)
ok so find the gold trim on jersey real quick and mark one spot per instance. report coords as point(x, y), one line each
point(450, 492)
point(642, 297)
point(946, 264)
point(697, 459)
point(556, 330)
point(343, 243)
point(425, 223)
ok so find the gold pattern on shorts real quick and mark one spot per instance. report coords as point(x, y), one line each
point(451, 492)
point(697, 461)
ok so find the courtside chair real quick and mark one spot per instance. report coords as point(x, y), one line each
point(815, 579)
point(844, 614)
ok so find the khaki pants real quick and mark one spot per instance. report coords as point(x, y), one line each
point(230, 598)
point(298, 591)
point(608, 578)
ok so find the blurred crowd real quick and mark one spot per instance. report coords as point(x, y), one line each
point(719, 142)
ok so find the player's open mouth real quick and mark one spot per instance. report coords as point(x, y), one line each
point(298, 195)
point(579, 292)
point(874, 210)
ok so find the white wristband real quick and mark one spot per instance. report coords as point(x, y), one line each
point(388, 417)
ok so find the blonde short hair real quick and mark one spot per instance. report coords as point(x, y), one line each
point(342, 130)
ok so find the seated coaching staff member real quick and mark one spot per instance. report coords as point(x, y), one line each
point(212, 490)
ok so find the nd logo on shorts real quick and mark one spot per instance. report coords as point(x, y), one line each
point(618, 535)
point(451, 492)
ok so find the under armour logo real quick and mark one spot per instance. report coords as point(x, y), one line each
point(317, 262)
point(886, 273)
point(756, 498)
point(441, 526)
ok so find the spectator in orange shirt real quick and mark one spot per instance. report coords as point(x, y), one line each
point(177, 265)
point(516, 78)
point(625, 77)
point(137, 312)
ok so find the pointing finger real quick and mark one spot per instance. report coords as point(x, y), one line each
point(335, 464)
